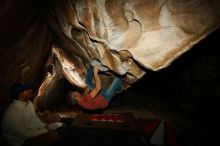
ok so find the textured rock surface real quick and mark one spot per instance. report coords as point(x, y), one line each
point(126, 37)
point(25, 39)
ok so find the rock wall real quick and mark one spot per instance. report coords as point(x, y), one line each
point(125, 37)
point(129, 37)
point(25, 39)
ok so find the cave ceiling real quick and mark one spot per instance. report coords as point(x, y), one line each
point(124, 37)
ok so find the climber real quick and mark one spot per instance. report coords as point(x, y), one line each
point(94, 96)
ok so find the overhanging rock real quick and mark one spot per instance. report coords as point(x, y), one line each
point(129, 37)
point(125, 37)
